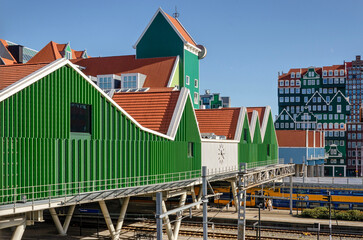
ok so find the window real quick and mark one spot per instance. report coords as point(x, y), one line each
point(187, 78)
point(297, 76)
point(196, 83)
point(341, 80)
point(105, 82)
point(286, 99)
point(304, 91)
point(190, 149)
point(129, 82)
point(335, 72)
point(297, 90)
point(298, 82)
point(287, 83)
point(324, 73)
point(339, 108)
point(292, 90)
point(341, 72)
point(297, 99)
point(80, 118)
point(339, 99)
point(330, 72)
point(328, 98)
point(245, 133)
point(68, 55)
point(281, 99)
point(305, 99)
point(281, 90)
point(330, 108)
point(292, 75)
point(196, 98)
point(292, 83)
point(281, 83)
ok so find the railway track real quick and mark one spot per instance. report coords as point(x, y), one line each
point(199, 234)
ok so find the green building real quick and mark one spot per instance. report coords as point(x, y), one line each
point(164, 36)
point(313, 98)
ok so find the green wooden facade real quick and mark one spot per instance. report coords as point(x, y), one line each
point(38, 148)
point(255, 150)
point(161, 40)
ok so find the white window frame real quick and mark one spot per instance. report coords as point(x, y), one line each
point(292, 75)
point(187, 80)
point(196, 98)
point(325, 73)
point(281, 83)
point(196, 83)
point(341, 72)
point(336, 73)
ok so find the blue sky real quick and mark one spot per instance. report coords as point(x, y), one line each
point(248, 42)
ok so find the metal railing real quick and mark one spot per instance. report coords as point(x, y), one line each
point(327, 180)
point(59, 190)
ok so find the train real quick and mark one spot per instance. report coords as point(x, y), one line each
point(304, 196)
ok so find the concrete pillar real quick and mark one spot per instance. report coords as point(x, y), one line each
point(169, 231)
point(183, 197)
point(121, 218)
point(19, 231)
point(107, 218)
point(310, 171)
point(234, 192)
point(56, 221)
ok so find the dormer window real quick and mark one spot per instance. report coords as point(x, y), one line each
point(132, 80)
point(109, 81)
point(287, 83)
point(335, 72)
point(341, 72)
point(298, 75)
point(292, 75)
point(330, 72)
point(325, 73)
point(68, 55)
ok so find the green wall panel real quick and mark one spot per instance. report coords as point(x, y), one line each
point(39, 154)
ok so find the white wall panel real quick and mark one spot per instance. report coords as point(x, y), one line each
point(220, 156)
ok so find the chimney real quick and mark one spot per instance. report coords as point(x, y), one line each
point(17, 52)
point(357, 58)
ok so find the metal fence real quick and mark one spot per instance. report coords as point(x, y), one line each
point(327, 180)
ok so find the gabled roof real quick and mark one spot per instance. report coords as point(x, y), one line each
point(175, 24)
point(284, 110)
point(153, 110)
point(33, 76)
point(260, 111)
point(297, 138)
point(319, 95)
point(10, 74)
point(158, 71)
point(52, 51)
point(340, 93)
point(222, 122)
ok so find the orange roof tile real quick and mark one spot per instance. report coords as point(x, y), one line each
point(48, 54)
point(222, 122)
point(157, 70)
point(13, 73)
point(52, 51)
point(153, 110)
point(297, 138)
point(181, 29)
point(260, 111)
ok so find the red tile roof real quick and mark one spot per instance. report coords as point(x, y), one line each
point(13, 73)
point(260, 111)
point(222, 122)
point(153, 110)
point(297, 138)
point(319, 70)
point(52, 51)
point(157, 70)
point(181, 29)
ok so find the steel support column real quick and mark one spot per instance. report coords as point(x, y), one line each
point(205, 203)
point(241, 191)
point(159, 220)
point(179, 217)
